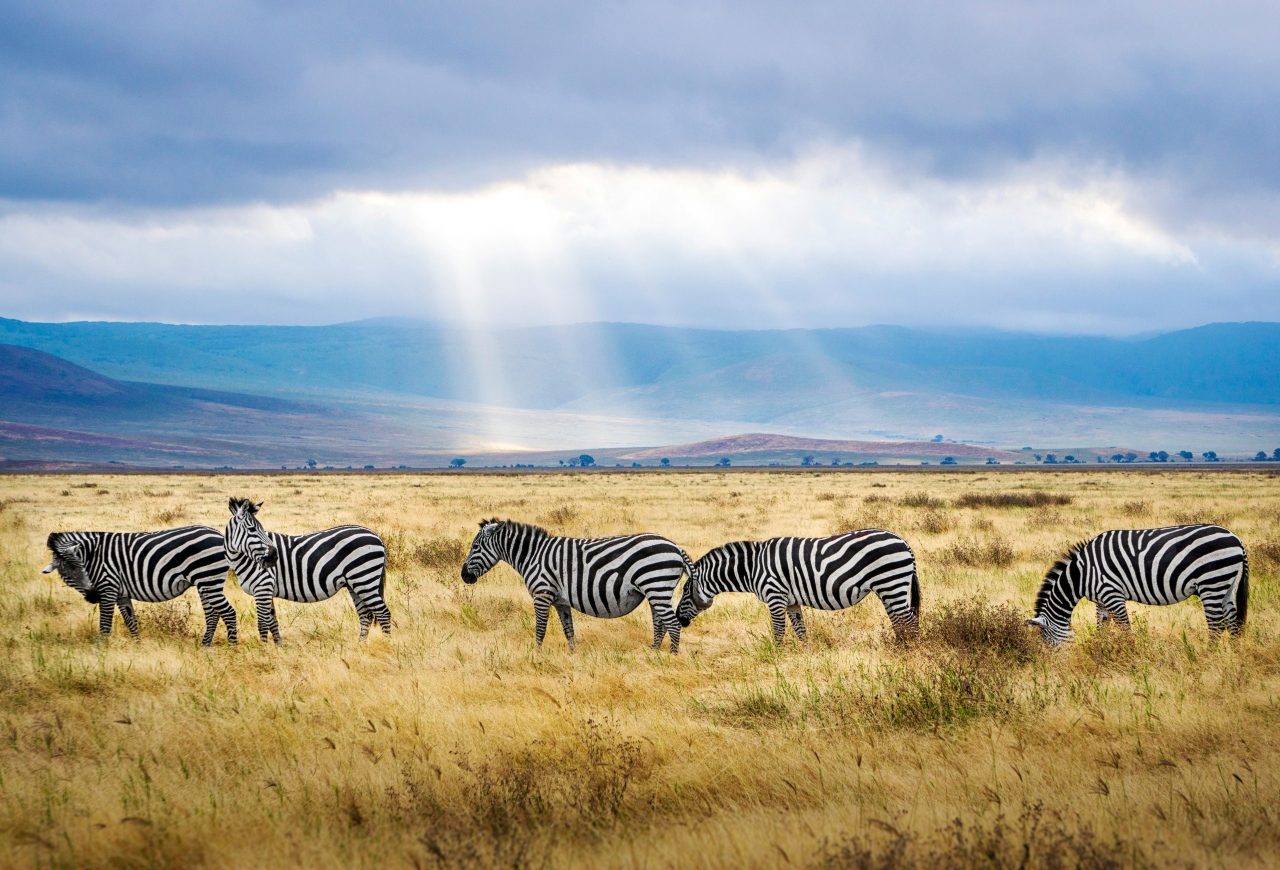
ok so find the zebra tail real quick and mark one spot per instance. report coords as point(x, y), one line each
point(915, 594)
point(1242, 594)
point(688, 563)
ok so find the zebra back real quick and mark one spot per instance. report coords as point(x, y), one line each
point(317, 565)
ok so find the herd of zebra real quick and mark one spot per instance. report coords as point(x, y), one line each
point(610, 577)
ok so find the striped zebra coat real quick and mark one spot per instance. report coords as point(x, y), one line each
point(114, 569)
point(606, 577)
point(825, 573)
point(309, 568)
point(1149, 566)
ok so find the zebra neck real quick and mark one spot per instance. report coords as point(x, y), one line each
point(96, 553)
point(520, 552)
point(1066, 594)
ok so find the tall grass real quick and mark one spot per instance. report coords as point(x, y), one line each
point(456, 742)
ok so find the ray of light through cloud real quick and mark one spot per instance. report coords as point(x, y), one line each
point(835, 236)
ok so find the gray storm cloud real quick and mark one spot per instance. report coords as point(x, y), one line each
point(1099, 166)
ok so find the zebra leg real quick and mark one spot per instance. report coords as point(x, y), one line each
point(106, 613)
point(664, 623)
point(130, 618)
point(1103, 615)
point(216, 606)
point(1219, 612)
point(362, 611)
point(229, 620)
point(797, 623)
point(265, 605)
point(778, 614)
point(1114, 606)
point(541, 610)
point(565, 612)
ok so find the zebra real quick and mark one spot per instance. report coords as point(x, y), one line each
point(605, 577)
point(311, 567)
point(1149, 566)
point(827, 573)
point(114, 569)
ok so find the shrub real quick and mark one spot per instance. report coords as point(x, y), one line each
point(922, 500)
point(972, 553)
point(442, 555)
point(171, 618)
point(1136, 508)
point(559, 516)
point(1012, 499)
point(1039, 840)
point(933, 522)
point(977, 628)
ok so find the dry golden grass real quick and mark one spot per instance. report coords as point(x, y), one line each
point(456, 742)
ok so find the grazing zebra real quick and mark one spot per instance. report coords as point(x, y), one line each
point(1150, 566)
point(114, 569)
point(311, 567)
point(605, 577)
point(826, 573)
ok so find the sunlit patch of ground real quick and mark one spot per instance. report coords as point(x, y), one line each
point(456, 742)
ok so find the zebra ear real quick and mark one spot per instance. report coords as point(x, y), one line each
point(253, 508)
point(48, 570)
point(1038, 622)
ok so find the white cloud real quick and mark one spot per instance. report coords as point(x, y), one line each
point(835, 238)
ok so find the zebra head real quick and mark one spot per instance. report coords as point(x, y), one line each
point(706, 577)
point(691, 602)
point(486, 551)
point(246, 537)
point(1057, 598)
point(69, 556)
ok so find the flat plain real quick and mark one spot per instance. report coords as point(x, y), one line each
point(457, 742)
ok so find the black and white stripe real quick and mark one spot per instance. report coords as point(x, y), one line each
point(606, 577)
point(827, 573)
point(1149, 566)
point(308, 568)
point(114, 569)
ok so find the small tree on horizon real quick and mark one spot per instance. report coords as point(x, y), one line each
point(665, 463)
point(1210, 456)
point(311, 463)
point(457, 463)
point(1187, 455)
point(586, 461)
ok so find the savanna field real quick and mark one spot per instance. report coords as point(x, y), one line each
point(457, 742)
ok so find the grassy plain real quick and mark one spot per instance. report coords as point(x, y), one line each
point(456, 742)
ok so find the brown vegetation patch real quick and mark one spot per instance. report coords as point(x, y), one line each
point(922, 500)
point(166, 618)
point(442, 555)
point(1038, 840)
point(977, 628)
point(517, 806)
point(970, 552)
point(1034, 499)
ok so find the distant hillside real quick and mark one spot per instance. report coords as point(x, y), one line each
point(405, 389)
point(650, 368)
point(760, 446)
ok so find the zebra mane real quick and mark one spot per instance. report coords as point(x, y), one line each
point(1051, 578)
point(234, 504)
point(518, 526)
point(54, 541)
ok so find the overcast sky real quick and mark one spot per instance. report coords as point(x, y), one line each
point(1083, 167)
